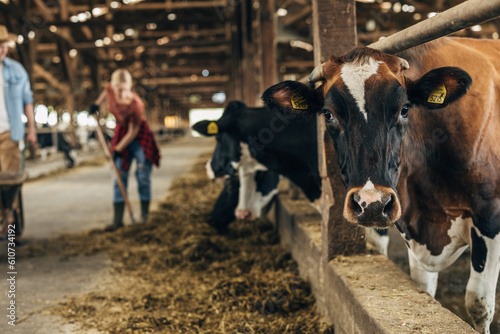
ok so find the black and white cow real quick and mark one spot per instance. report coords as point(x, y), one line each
point(253, 140)
point(416, 150)
point(248, 202)
point(263, 139)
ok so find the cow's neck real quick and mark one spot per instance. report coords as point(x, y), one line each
point(292, 152)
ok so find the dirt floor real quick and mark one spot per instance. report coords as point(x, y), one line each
point(177, 275)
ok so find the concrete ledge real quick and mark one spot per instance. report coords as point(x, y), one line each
point(359, 294)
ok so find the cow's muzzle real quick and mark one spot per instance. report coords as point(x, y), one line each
point(377, 207)
point(244, 215)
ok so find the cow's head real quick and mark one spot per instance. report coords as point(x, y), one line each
point(227, 150)
point(367, 103)
point(257, 185)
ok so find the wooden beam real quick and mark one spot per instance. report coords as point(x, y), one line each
point(334, 32)
point(196, 69)
point(101, 21)
point(183, 33)
point(268, 31)
point(63, 10)
point(181, 47)
point(87, 32)
point(66, 64)
point(168, 6)
point(284, 3)
point(202, 89)
point(44, 10)
point(40, 72)
point(250, 84)
point(291, 19)
point(298, 64)
point(185, 80)
point(236, 93)
point(171, 5)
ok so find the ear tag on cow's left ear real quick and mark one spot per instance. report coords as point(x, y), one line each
point(298, 101)
point(212, 128)
point(438, 95)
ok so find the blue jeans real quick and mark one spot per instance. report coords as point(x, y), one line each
point(142, 173)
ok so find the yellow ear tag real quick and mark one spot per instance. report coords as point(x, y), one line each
point(212, 128)
point(437, 95)
point(298, 101)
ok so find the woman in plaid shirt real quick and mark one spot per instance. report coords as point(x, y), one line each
point(133, 139)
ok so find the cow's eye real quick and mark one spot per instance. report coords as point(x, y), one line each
point(404, 111)
point(328, 115)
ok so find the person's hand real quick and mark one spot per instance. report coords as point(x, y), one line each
point(31, 137)
point(116, 154)
point(93, 109)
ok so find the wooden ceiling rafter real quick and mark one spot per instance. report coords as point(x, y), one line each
point(181, 47)
point(143, 6)
point(188, 81)
point(56, 83)
point(198, 37)
point(293, 18)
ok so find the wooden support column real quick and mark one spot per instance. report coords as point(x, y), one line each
point(236, 92)
point(268, 29)
point(66, 64)
point(248, 53)
point(334, 29)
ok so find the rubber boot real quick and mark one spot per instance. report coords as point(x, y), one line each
point(118, 217)
point(144, 211)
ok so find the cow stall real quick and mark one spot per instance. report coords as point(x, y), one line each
point(357, 292)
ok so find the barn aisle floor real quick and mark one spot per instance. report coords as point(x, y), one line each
point(74, 201)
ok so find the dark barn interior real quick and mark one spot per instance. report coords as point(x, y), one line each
point(183, 52)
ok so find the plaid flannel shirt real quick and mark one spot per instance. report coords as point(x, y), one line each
point(145, 138)
point(132, 113)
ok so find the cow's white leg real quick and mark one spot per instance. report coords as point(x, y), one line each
point(424, 279)
point(481, 288)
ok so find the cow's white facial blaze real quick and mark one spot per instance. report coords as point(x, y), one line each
point(251, 202)
point(354, 76)
point(209, 170)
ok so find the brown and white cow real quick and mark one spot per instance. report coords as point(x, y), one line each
point(419, 146)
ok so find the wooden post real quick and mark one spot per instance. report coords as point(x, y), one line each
point(334, 29)
point(268, 29)
point(236, 92)
point(249, 50)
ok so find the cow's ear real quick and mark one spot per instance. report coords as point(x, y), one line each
point(207, 128)
point(439, 87)
point(292, 97)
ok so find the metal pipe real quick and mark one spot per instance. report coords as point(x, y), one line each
point(464, 15)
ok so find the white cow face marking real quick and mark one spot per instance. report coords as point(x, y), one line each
point(354, 76)
point(251, 202)
point(209, 170)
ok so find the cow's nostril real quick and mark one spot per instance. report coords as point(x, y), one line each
point(355, 198)
point(388, 203)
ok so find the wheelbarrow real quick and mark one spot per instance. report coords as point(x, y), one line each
point(11, 203)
